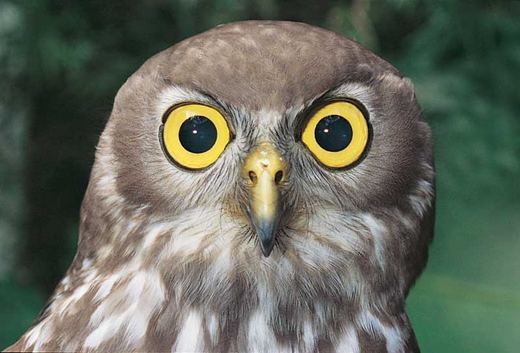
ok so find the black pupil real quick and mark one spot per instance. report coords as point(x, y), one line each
point(333, 133)
point(197, 134)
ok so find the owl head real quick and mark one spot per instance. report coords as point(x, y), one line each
point(267, 161)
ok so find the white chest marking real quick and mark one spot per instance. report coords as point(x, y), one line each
point(393, 336)
point(348, 343)
point(140, 297)
point(190, 337)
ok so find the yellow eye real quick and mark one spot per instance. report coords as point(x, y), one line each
point(337, 134)
point(195, 135)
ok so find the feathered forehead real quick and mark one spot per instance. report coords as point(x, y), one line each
point(264, 65)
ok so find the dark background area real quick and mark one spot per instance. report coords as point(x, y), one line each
point(61, 63)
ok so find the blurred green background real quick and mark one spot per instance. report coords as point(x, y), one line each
point(61, 63)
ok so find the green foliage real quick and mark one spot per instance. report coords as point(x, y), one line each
point(20, 304)
point(61, 64)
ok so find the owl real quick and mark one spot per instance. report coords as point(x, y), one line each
point(261, 187)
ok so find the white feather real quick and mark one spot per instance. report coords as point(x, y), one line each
point(260, 336)
point(348, 342)
point(379, 234)
point(189, 339)
point(392, 335)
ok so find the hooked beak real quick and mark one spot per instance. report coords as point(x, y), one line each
point(264, 169)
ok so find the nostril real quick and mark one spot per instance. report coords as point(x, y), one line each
point(278, 177)
point(253, 177)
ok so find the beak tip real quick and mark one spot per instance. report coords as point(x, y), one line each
point(266, 236)
point(266, 248)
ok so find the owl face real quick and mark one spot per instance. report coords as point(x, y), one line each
point(262, 153)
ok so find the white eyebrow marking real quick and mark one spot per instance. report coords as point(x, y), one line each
point(173, 95)
point(358, 91)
